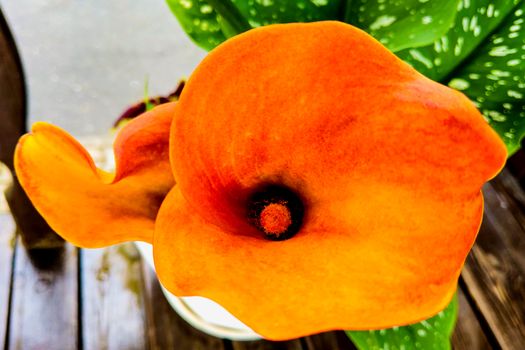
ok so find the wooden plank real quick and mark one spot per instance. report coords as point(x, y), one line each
point(513, 193)
point(166, 329)
point(495, 270)
point(44, 309)
point(7, 241)
point(516, 165)
point(503, 213)
point(267, 345)
point(329, 341)
point(111, 290)
point(468, 333)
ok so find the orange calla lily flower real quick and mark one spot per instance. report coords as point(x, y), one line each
point(322, 183)
point(88, 206)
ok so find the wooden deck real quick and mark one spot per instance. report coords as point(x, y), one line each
point(110, 299)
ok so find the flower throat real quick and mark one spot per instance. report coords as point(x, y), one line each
point(276, 211)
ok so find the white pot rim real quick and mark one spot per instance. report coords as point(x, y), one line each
point(202, 313)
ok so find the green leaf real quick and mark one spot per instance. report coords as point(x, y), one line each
point(433, 333)
point(402, 24)
point(474, 23)
point(495, 79)
point(264, 12)
point(199, 20)
point(210, 22)
point(399, 24)
point(483, 55)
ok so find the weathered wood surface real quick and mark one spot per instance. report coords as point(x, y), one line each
point(516, 164)
point(468, 333)
point(44, 302)
point(495, 271)
point(267, 345)
point(112, 297)
point(329, 341)
point(166, 329)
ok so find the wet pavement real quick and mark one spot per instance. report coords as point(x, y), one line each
point(85, 61)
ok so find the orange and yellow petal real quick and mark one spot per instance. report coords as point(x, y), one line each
point(388, 164)
point(90, 207)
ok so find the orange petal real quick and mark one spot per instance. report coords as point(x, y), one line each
point(332, 275)
point(87, 206)
point(389, 166)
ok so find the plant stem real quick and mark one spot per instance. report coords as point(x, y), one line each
point(347, 12)
point(231, 14)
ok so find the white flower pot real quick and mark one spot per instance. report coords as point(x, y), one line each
point(202, 313)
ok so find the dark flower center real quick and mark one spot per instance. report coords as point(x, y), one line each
point(276, 211)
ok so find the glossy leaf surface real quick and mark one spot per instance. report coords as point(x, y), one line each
point(483, 55)
point(495, 79)
point(433, 333)
point(397, 24)
point(403, 24)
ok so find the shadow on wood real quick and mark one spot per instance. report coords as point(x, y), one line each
point(516, 165)
point(44, 303)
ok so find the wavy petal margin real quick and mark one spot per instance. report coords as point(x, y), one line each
point(86, 205)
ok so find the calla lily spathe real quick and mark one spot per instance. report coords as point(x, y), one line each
point(387, 164)
point(88, 206)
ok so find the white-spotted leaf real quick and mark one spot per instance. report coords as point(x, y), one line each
point(264, 12)
point(495, 79)
point(483, 55)
point(431, 334)
point(402, 24)
point(398, 24)
point(210, 22)
point(475, 21)
point(199, 21)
